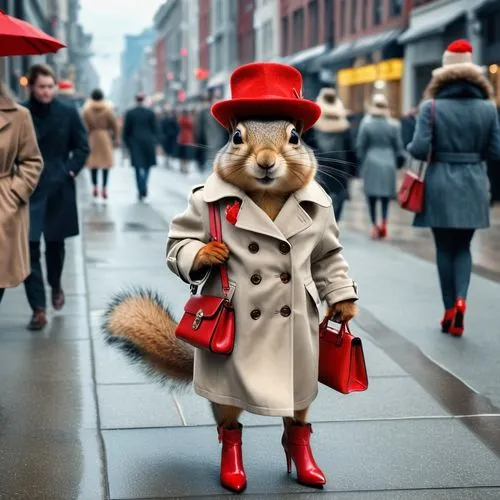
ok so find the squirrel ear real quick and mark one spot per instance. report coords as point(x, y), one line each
point(299, 127)
point(232, 126)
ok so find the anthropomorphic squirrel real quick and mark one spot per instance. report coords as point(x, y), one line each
point(283, 257)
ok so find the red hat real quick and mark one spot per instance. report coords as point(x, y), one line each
point(65, 85)
point(266, 90)
point(458, 52)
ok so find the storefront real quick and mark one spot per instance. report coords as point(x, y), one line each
point(357, 85)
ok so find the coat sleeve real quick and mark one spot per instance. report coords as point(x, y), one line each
point(361, 142)
point(493, 150)
point(421, 142)
point(398, 145)
point(186, 237)
point(79, 146)
point(126, 129)
point(329, 268)
point(29, 161)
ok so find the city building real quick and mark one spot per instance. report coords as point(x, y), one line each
point(306, 35)
point(266, 30)
point(204, 28)
point(246, 34)
point(222, 43)
point(367, 57)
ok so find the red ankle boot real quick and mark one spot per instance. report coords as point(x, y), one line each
point(296, 443)
point(232, 473)
point(447, 320)
point(104, 194)
point(383, 230)
point(457, 325)
point(375, 233)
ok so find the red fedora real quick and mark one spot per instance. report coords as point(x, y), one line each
point(266, 90)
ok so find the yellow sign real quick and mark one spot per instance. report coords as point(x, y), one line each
point(392, 69)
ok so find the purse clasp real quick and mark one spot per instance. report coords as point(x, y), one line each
point(197, 320)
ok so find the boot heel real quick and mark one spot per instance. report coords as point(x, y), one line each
point(288, 462)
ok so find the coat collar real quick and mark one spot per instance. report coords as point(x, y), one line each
point(292, 219)
point(6, 104)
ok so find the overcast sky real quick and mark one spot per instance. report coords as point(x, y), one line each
point(109, 21)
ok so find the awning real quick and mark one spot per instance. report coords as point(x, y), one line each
point(350, 50)
point(308, 55)
point(221, 78)
point(433, 22)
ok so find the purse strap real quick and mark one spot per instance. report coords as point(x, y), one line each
point(423, 165)
point(216, 232)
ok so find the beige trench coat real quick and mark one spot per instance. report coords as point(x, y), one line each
point(280, 272)
point(20, 168)
point(100, 122)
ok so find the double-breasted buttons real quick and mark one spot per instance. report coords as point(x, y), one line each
point(285, 277)
point(253, 247)
point(284, 247)
point(255, 314)
point(285, 311)
point(256, 278)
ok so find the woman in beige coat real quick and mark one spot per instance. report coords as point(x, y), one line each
point(103, 130)
point(20, 167)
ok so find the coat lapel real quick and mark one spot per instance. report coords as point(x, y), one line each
point(4, 120)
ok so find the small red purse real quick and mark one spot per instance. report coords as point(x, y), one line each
point(341, 360)
point(208, 322)
point(411, 192)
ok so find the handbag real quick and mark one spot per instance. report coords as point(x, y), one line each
point(411, 192)
point(341, 359)
point(208, 322)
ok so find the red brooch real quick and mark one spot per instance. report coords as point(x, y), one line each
point(232, 212)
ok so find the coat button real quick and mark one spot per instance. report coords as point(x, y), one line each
point(285, 311)
point(285, 277)
point(256, 279)
point(284, 248)
point(253, 247)
point(255, 314)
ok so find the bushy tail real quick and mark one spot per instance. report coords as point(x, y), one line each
point(140, 325)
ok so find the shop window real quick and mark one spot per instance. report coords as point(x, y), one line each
point(298, 30)
point(492, 29)
point(364, 19)
point(396, 8)
point(378, 12)
point(312, 11)
point(343, 19)
point(284, 36)
point(354, 15)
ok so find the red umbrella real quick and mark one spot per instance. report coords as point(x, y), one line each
point(19, 38)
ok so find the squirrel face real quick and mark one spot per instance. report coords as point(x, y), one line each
point(266, 156)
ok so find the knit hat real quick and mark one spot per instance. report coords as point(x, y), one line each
point(458, 52)
point(66, 87)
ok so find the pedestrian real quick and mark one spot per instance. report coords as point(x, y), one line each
point(210, 135)
point(169, 132)
point(335, 148)
point(186, 139)
point(494, 174)
point(20, 168)
point(66, 92)
point(464, 132)
point(102, 127)
point(140, 135)
point(53, 209)
point(380, 153)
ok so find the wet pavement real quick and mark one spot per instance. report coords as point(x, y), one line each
point(77, 421)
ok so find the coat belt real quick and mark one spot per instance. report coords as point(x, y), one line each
point(457, 157)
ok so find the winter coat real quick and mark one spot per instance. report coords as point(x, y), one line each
point(20, 168)
point(380, 152)
point(102, 128)
point(279, 272)
point(169, 132)
point(334, 147)
point(186, 131)
point(140, 135)
point(62, 140)
point(465, 134)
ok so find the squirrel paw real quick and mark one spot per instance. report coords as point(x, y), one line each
point(342, 312)
point(211, 254)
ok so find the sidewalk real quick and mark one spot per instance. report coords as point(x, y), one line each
point(79, 422)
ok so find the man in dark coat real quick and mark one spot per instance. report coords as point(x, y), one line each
point(169, 132)
point(140, 135)
point(53, 211)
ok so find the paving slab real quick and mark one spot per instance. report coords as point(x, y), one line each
point(355, 456)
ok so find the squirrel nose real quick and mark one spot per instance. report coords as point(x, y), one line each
point(266, 166)
point(266, 159)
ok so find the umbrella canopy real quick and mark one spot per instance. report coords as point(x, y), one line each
point(19, 38)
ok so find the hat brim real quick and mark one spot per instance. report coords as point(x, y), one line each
point(307, 112)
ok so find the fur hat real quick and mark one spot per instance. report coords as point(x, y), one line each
point(333, 113)
point(266, 90)
point(379, 101)
point(458, 52)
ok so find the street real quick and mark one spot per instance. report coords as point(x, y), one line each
point(79, 422)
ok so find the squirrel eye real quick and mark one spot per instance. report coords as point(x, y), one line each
point(294, 137)
point(237, 139)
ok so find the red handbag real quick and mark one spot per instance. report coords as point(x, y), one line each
point(341, 360)
point(208, 322)
point(411, 192)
